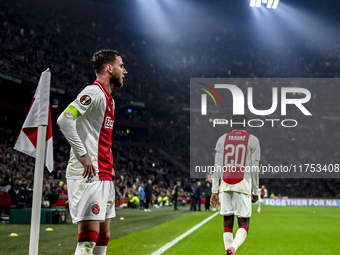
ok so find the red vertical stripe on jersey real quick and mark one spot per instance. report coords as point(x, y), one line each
point(105, 157)
point(235, 155)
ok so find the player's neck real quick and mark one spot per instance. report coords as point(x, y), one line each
point(105, 81)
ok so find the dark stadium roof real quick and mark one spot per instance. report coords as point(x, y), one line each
point(324, 7)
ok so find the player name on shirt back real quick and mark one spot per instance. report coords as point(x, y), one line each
point(237, 138)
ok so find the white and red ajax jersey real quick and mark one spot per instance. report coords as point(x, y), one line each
point(239, 157)
point(263, 193)
point(94, 128)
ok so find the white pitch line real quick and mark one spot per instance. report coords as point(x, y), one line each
point(173, 242)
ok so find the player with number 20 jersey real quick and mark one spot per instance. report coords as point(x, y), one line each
point(238, 153)
point(236, 177)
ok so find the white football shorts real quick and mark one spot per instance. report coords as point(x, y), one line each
point(91, 200)
point(235, 203)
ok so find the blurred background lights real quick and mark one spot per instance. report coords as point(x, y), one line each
point(270, 4)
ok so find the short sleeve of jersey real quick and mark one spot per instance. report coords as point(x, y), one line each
point(87, 99)
point(255, 145)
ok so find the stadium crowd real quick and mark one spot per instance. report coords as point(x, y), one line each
point(27, 48)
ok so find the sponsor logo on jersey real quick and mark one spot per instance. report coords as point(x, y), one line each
point(85, 100)
point(95, 209)
point(108, 122)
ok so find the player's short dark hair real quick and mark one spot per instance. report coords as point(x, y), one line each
point(103, 57)
point(239, 118)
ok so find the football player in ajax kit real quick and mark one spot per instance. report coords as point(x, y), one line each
point(263, 193)
point(238, 154)
point(87, 125)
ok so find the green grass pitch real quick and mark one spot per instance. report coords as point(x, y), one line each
point(277, 230)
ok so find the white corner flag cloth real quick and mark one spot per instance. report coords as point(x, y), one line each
point(39, 115)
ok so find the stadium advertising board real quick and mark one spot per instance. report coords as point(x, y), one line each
point(302, 202)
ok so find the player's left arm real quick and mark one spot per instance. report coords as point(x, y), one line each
point(217, 175)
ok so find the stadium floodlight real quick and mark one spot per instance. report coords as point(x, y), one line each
point(258, 3)
point(269, 4)
point(276, 3)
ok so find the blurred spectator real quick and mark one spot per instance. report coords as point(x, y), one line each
point(19, 195)
point(45, 198)
point(198, 194)
point(141, 195)
point(192, 197)
point(207, 195)
point(134, 200)
point(148, 195)
point(176, 194)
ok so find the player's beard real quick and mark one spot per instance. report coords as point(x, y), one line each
point(117, 82)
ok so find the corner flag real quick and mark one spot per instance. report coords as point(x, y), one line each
point(35, 139)
point(39, 115)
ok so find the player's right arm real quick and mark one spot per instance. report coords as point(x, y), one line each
point(217, 175)
point(67, 124)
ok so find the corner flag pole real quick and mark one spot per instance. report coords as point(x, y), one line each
point(35, 139)
point(37, 191)
point(40, 110)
